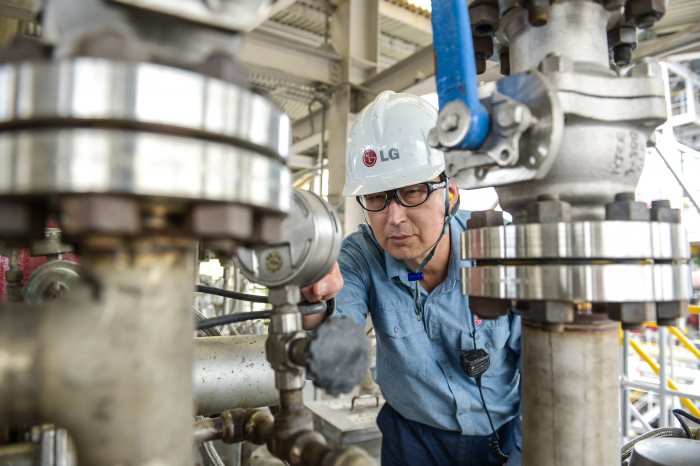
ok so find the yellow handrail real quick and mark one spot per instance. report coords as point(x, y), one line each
point(683, 339)
point(694, 309)
point(686, 402)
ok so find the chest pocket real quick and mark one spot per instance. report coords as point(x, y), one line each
point(402, 344)
point(493, 338)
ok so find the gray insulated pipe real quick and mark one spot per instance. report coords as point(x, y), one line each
point(232, 372)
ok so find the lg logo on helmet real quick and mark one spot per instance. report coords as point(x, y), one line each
point(370, 157)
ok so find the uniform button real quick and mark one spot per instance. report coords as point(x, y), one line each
point(489, 344)
point(397, 329)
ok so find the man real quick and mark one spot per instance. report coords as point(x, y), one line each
point(434, 413)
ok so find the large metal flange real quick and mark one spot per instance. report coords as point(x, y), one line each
point(610, 240)
point(580, 283)
point(122, 182)
point(126, 148)
point(97, 92)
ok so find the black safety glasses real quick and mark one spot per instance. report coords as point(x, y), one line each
point(409, 196)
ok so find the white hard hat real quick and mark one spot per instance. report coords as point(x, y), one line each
point(388, 145)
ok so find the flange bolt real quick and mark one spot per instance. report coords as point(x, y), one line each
point(622, 54)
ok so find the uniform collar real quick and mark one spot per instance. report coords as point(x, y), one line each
point(397, 272)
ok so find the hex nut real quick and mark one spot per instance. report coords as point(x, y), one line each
point(631, 313)
point(21, 220)
point(489, 308)
point(555, 63)
point(484, 19)
point(96, 213)
point(14, 275)
point(485, 218)
point(223, 221)
point(668, 312)
point(645, 68)
point(284, 295)
point(661, 211)
point(548, 211)
point(644, 13)
point(483, 45)
point(627, 211)
point(553, 312)
point(624, 35)
point(267, 228)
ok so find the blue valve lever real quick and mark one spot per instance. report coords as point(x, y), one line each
point(456, 66)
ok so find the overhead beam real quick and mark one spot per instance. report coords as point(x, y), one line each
point(404, 74)
point(681, 41)
point(271, 52)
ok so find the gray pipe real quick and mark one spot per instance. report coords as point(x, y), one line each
point(570, 378)
point(232, 372)
point(110, 362)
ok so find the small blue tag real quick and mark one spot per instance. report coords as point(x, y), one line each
point(412, 277)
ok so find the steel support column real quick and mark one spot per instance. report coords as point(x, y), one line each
point(355, 32)
point(570, 379)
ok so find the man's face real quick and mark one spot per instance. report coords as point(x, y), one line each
point(409, 233)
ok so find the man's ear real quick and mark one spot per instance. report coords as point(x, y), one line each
point(454, 195)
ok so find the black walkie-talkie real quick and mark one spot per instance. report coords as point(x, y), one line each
point(474, 363)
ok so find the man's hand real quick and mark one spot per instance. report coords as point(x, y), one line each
point(323, 290)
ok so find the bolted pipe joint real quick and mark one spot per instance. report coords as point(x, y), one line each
point(234, 426)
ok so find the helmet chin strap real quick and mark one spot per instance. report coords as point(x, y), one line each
point(449, 215)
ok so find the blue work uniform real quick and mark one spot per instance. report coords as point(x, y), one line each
point(432, 402)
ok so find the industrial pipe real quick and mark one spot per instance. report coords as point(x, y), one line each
point(283, 438)
point(569, 379)
point(232, 372)
point(111, 360)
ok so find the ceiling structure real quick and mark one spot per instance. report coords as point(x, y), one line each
point(404, 29)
